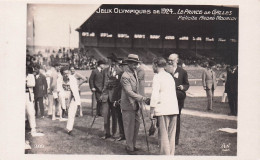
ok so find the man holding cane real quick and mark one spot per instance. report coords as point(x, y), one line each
point(130, 99)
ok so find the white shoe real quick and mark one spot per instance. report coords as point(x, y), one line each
point(27, 145)
point(63, 119)
point(36, 134)
point(53, 118)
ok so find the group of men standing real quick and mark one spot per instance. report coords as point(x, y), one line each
point(119, 91)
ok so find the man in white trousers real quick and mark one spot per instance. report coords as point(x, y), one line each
point(164, 106)
point(29, 106)
point(69, 96)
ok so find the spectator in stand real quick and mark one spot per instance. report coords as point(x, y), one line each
point(40, 90)
point(209, 83)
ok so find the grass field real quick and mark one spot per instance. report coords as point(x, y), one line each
point(199, 136)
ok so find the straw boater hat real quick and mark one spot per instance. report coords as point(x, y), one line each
point(133, 58)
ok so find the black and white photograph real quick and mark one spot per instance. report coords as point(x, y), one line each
point(133, 80)
point(149, 79)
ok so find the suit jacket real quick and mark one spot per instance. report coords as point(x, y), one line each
point(41, 86)
point(141, 75)
point(130, 91)
point(231, 85)
point(209, 79)
point(96, 80)
point(111, 84)
point(181, 78)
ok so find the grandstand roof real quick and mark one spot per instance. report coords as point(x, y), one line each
point(163, 24)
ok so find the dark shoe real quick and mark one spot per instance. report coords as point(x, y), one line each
point(106, 137)
point(136, 149)
point(70, 133)
point(130, 152)
point(120, 139)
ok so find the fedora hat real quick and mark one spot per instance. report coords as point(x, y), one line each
point(133, 58)
point(112, 56)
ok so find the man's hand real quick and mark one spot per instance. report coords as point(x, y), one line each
point(93, 89)
point(205, 88)
point(147, 101)
point(152, 113)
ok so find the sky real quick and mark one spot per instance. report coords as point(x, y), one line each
point(52, 23)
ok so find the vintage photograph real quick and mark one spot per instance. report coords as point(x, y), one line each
point(131, 79)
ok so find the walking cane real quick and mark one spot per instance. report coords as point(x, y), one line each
point(146, 137)
point(92, 124)
point(94, 103)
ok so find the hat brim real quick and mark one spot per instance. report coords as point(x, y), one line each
point(132, 60)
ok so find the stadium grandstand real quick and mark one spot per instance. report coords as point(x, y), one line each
point(152, 30)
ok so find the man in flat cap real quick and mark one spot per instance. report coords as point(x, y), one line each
point(130, 100)
point(182, 85)
point(96, 82)
point(209, 83)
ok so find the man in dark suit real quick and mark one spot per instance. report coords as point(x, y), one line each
point(110, 95)
point(40, 90)
point(182, 85)
point(96, 82)
point(231, 88)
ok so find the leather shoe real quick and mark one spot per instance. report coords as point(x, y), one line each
point(120, 139)
point(130, 152)
point(136, 149)
point(106, 137)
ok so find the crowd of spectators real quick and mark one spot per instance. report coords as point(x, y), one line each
point(80, 59)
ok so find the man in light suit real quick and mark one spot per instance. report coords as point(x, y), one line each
point(164, 106)
point(110, 95)
point(209, 83)
point(130, 99)
point(96, 82)
point(182, 85)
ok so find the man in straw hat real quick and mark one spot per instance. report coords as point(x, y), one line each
point(130, 98)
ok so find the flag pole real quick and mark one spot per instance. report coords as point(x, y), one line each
point(69, 36)
point(33, 37)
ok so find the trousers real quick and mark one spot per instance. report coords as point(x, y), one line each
point(166, 134)
point(71, 114)
point(109, 110)
point(39, 100)
point(131, 121)
point(30, 112)
point(210, 95)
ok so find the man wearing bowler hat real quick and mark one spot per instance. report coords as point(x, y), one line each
point(96, 84)
point(130, 99)
point(182, 85)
